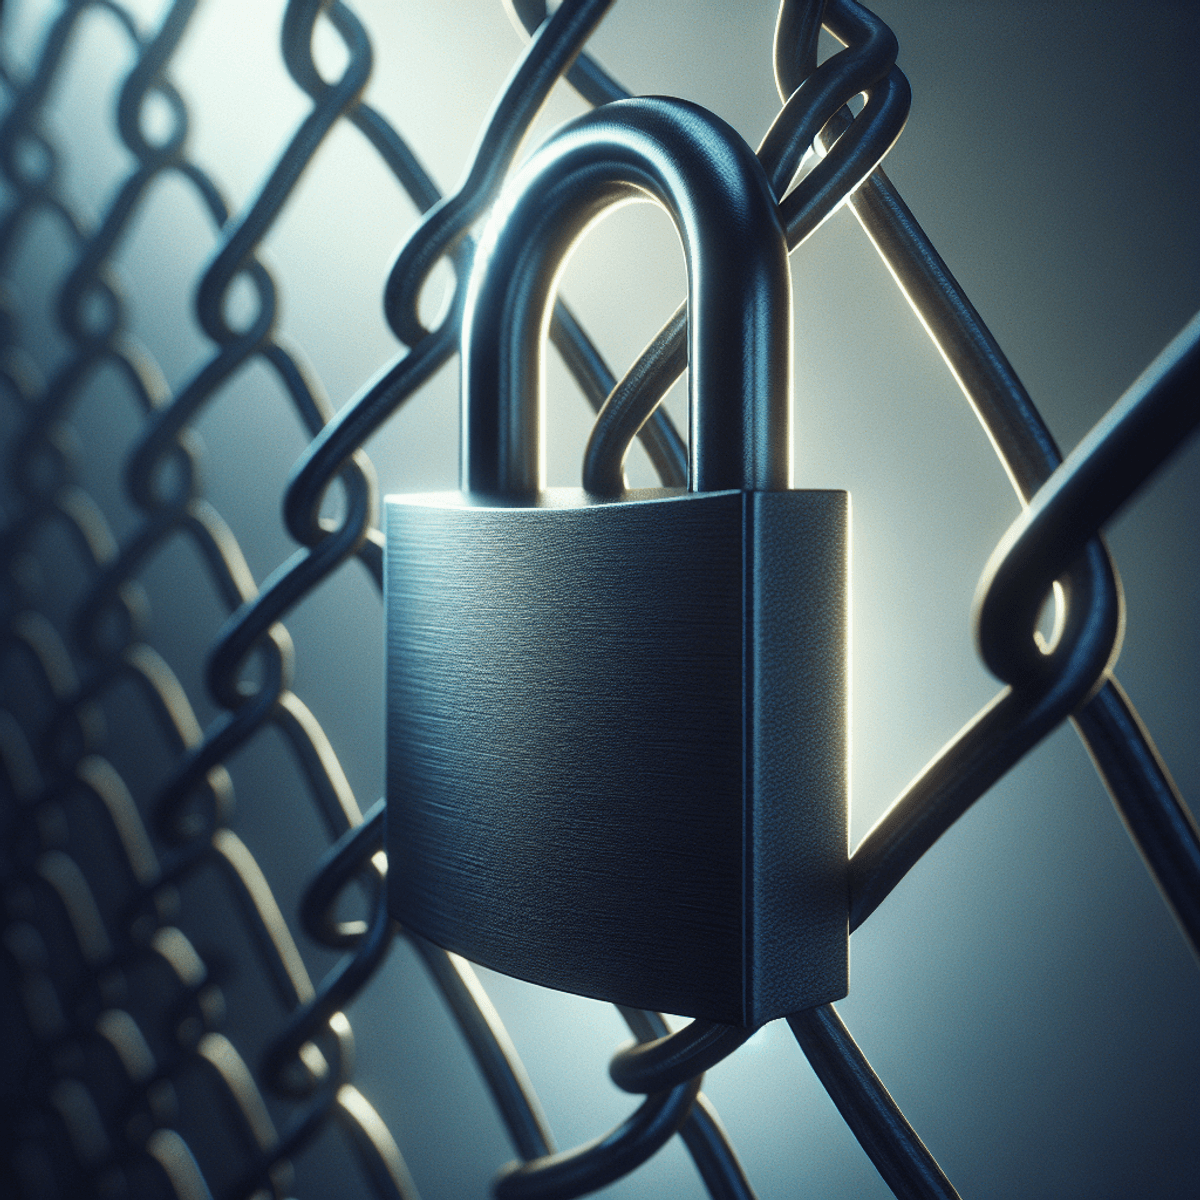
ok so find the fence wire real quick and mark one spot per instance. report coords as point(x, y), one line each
point(116, 1018)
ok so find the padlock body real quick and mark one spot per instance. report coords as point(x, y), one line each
point(616, 743)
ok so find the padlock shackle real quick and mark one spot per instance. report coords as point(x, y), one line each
point(739, 293)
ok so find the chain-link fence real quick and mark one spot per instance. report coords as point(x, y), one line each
point(177, 967)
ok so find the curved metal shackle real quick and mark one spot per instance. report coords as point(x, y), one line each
point(739, 293)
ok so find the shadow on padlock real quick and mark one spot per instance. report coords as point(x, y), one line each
point(616, 728)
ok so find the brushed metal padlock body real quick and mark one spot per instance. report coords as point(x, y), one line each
point(616, 742)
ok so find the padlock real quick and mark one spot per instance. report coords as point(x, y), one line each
point(616, 729)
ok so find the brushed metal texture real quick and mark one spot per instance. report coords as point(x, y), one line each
point(616, 743)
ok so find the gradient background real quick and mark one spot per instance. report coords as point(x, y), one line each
point(1024, 993)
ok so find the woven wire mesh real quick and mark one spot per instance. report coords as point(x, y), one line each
point(172, 971)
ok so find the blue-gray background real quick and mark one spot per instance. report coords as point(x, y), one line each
point(1024, 993)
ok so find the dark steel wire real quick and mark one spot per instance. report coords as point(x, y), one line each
point(592, 1166)
point(553, 48)
point(1150, 422)
point(873, 1116)
point(868, 66)
point(702, 1132)
point(1136, 778)
point(668, 1059)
